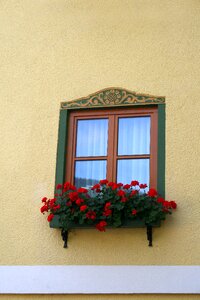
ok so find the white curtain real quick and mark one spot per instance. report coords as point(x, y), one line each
point(92, 137)
point(134, 136)
point(88, 173)
point(133, 169)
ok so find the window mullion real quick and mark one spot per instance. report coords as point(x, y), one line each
point(111, 140)
point(115, 143)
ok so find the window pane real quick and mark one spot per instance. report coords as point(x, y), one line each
point(134, 136)
point(88, 173)
point(133, 169)
point(92, 137)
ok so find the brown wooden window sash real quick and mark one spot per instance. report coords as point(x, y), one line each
point(112, 152)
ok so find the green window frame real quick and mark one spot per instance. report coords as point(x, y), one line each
point(111, 98)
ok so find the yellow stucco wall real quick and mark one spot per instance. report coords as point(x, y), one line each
point(59, 50)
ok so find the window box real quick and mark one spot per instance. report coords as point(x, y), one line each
point(55, 223)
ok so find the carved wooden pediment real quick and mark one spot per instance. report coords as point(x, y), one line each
point(110, 97)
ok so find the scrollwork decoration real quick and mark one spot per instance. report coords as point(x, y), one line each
point(113, 97)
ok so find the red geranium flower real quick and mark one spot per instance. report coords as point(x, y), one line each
point(79, 201)
point(91, 215)
point(160, 200)
point(127, 186)
point(107, 212)
point(82, 190)
point(56, 207)
point(103, 181)
point(134, 192)
point(50, 217)
point(143, 186)
point(44, 208)
point(96, 186)
point(73, 196)
point(119, 184)
point(166, 204)
point(134, 212)
point(123, 199)
point(113, 185)
point(44, 199)
point(173, 204)
point(121, 193)
point(107, 205)
point(134, 182)
point(83, 207)
point(101, 225)
point(52, 202)
point(68, 186)
point(59, 186)
point(152, 193)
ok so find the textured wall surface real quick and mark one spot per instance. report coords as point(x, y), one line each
point(53, 51)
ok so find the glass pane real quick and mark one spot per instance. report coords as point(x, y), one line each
point(133, 169)
point(88, 173)
point(134, 136)
point(92, 137)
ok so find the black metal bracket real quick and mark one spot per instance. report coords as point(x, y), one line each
point(64, 234)
point(149, 235)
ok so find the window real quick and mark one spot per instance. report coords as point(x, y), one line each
point(117, 144)
point(113, 133)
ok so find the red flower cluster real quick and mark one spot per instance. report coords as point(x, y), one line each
point(134, 183)
point(107, 211)
point(82, 191)
point(50, 217)
point(96, 188)
point(113, 185)
point(143, 186)
point(106, 205)
point(167, 204)
point(134, 212)
point(101, 226)
point(103, 181)
point(127, 186)
point(83, 207)
point(134, 192)
point(79, 201)
point(152, 193)
point(73, 196)
point(91, 215)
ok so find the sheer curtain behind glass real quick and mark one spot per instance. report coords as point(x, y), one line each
point(88, 173)
point(133, 169)
point(92, 140)
point(134, 136)
point(133, 140)
point(92, 137)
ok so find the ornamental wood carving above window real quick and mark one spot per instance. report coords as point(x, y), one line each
point(110, 97)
